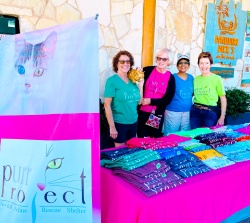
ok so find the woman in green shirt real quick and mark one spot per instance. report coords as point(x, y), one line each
point(121, 97)
point(208, 88)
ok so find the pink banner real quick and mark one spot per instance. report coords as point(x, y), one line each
point(49, 125)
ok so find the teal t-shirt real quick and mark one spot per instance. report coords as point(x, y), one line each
point(126, 97)
point(207, 89)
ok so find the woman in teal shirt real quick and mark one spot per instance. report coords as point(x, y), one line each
point(121, 97)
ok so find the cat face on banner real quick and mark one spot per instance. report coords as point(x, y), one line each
point(51, 180)
point(61, 187)
point(32, 64)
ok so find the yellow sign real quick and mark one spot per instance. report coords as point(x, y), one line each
point(226, 26)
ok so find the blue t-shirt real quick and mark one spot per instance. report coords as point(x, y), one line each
point(182, 100)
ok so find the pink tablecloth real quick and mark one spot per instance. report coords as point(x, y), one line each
point(206, 198)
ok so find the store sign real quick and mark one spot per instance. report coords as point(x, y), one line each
point(225, 30)
point(224, 72)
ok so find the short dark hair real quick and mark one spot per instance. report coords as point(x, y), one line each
point(117, 57)
point(205, 55)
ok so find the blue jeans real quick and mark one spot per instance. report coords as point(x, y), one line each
point(202, 118)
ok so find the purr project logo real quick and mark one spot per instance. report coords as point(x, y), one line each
point(45, 181)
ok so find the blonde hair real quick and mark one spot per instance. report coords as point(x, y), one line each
point(169, 52)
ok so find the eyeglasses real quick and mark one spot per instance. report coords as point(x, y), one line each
point(124, 61)
point(180, 63)
point(163, 59)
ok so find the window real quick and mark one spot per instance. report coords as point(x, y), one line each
point(9, 25)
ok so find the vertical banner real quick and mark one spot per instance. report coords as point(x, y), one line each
point(50, 71)
point(245, 81)
point(49, 125)
point(248, 27)
point(225, 31)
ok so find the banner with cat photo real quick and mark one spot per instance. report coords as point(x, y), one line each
point(49, 125)
point(49, 71)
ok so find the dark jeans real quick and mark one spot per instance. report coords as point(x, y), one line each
point(106, 140)
point(145, 130)
point(125, 132)
point(202, 118)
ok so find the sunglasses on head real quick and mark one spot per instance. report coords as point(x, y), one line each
point(124, 61)
point(163, 59)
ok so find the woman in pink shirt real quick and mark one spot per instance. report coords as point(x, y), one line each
point(159, 89)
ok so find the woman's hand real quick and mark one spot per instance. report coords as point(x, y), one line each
point(220, 121)
point(146, 101)
point(223, 101)
point(109, 115)
point(140, 102)
point(140, 84)
point(138, 68)
point(113, 132)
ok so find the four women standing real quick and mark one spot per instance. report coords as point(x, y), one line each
point(161, 91)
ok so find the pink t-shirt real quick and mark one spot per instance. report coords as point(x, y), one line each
point(155, 87)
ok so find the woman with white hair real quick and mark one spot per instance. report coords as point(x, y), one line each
point(158, 91)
